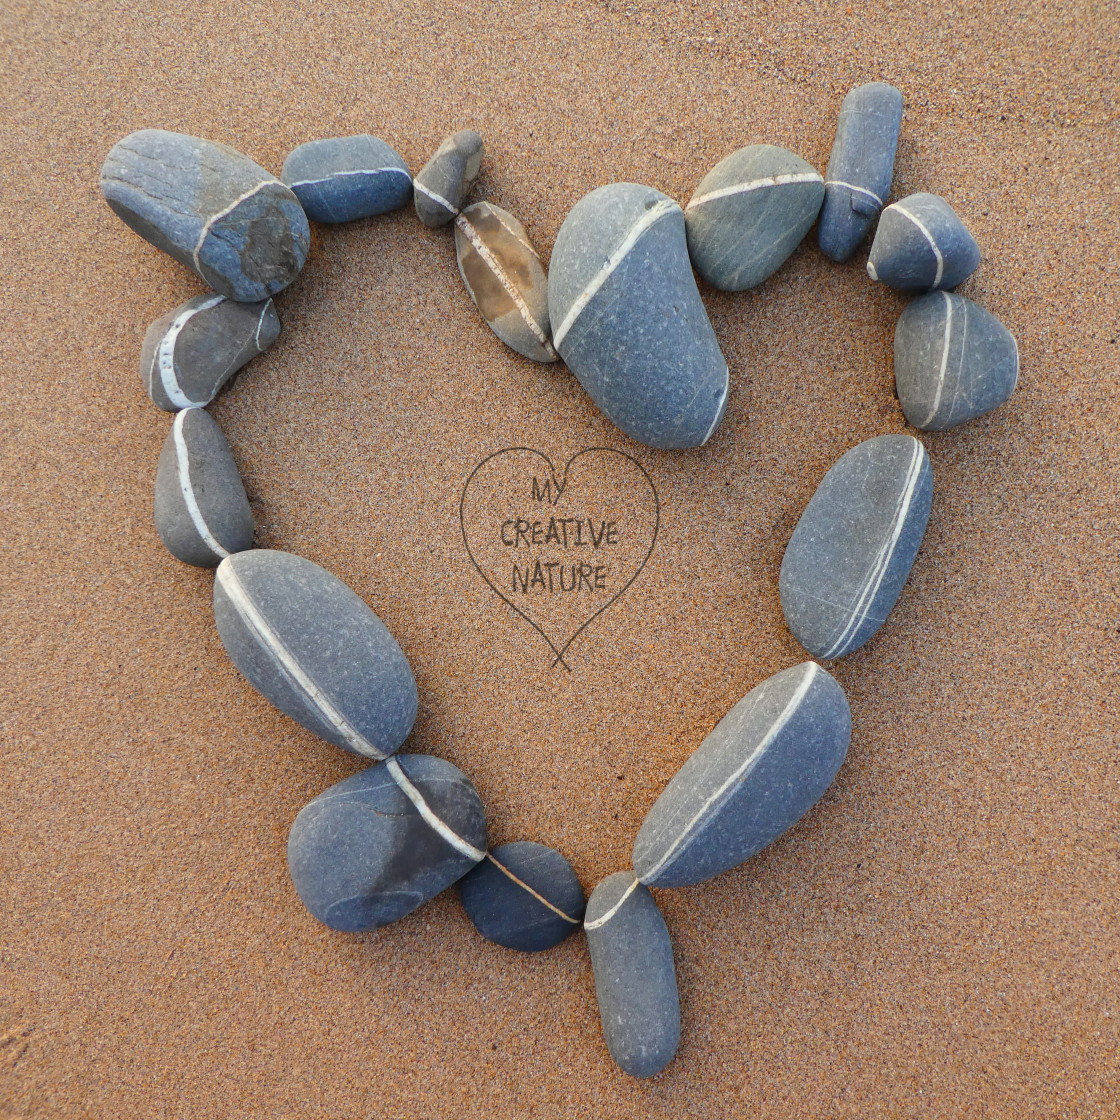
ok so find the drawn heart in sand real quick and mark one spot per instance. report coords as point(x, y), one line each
point(559, 547)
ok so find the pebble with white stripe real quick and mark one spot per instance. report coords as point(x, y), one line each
point(766, 763)
point(749, 213)
point(344, 178)
point(305, 641)
point(211, 208)
point(852, 550)
point(921, 245)
point(377, 845)
point(443, 183)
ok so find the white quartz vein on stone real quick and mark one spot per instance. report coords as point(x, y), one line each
point(930, 238)
point(946, 345)
point(602, 920)
point(410, 791)
point(755, 185)
point(852, 187)
point(165, 354)
point(437, 198)
point(529, 890)
point(208, 225)
point(343, 174)
point(186, 488)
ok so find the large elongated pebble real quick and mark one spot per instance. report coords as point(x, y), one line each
point(377, 845)
point(347, 177)
point(201, 511)
point(763, 767)
point(446, 179)
point(311, 646)
point(921, 245)
point(628, 319)
point(860, 167)
point(952, 361)
point(505, 278)
point(635, 979)
point(212, 208)
point(850, 554)
point(523, 896)
point(749, 213)
point(190, 353)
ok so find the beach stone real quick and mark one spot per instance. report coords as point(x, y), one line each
point(306, 642)
point(852, 549)
point(211, 208)
point(749, 213)
point(377, 845)
point(201, 511)
point(628, 320)
point(345, 178)
point(860, 167)
point(635, 979)
point(446, 179)
point(921, 245)
point(766, 763)
point(192, 351)
point(505, 278)
point(952, 361)
point(523, 896)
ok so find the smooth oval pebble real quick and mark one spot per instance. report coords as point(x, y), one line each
point(192, 351)
point(749, 213)
point(523, 896)
point(446, 179)
point(847, 561)
point(921, 245)
point(635, 979)
point(628, 320)
point(505, 278)
point(211, 208)
point(953, 361)
point(344, 178)
point(305, 641)
point(377, 845)
point(201, 511)
point(860, 167)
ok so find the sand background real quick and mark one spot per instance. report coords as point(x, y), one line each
point(937, 938)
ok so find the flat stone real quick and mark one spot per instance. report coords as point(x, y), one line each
point(345, 178)
point(850, 554)
point(192, 351)
point(523, 896)
point(505, 278)
point(635, 979)
point(953, 361)
point(921, 245)
point(377, 845)
point(749, 213)
point(305, 641)
point(628, 320)
point(446, 179)
point(860, 168)
point(213, 209)
point(201, 512)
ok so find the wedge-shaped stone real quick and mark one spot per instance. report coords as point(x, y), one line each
point(921, 245)
point(446, 179)
point(344, 178)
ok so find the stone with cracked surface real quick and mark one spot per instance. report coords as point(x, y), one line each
point(344, 178)
point(446, 179)
point(921, 245)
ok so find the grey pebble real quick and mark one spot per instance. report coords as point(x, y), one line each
point(446, 179)
point(344, 178)
point(921, 245)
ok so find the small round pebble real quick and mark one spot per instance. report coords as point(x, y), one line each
point(345, 178)
point(446, 179)
point(921, 245)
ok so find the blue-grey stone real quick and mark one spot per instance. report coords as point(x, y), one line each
point(952, 361)
point(377, 845)
point(213, 209)
point(749, 213)
point(635, 979)
point(860, 168)
point(627, 317)
point(345, 178)
point(921, 245)
point(201, 511)
point(311, 646)
point(523, 896)
point(442, 185)
point(766, 763)
point(850, 554)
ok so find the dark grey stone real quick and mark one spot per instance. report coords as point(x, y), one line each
point(952, 361)
point(213, 209)
point(860, 168)
point(628, 320)
point(921, 245)
point(201, 511)
point(374, 847)
point(523, 896)
point(850, 554)
point(311, 646)
point(446, 179)
point(345, 178)
point(635, 979)
point(749, 213)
